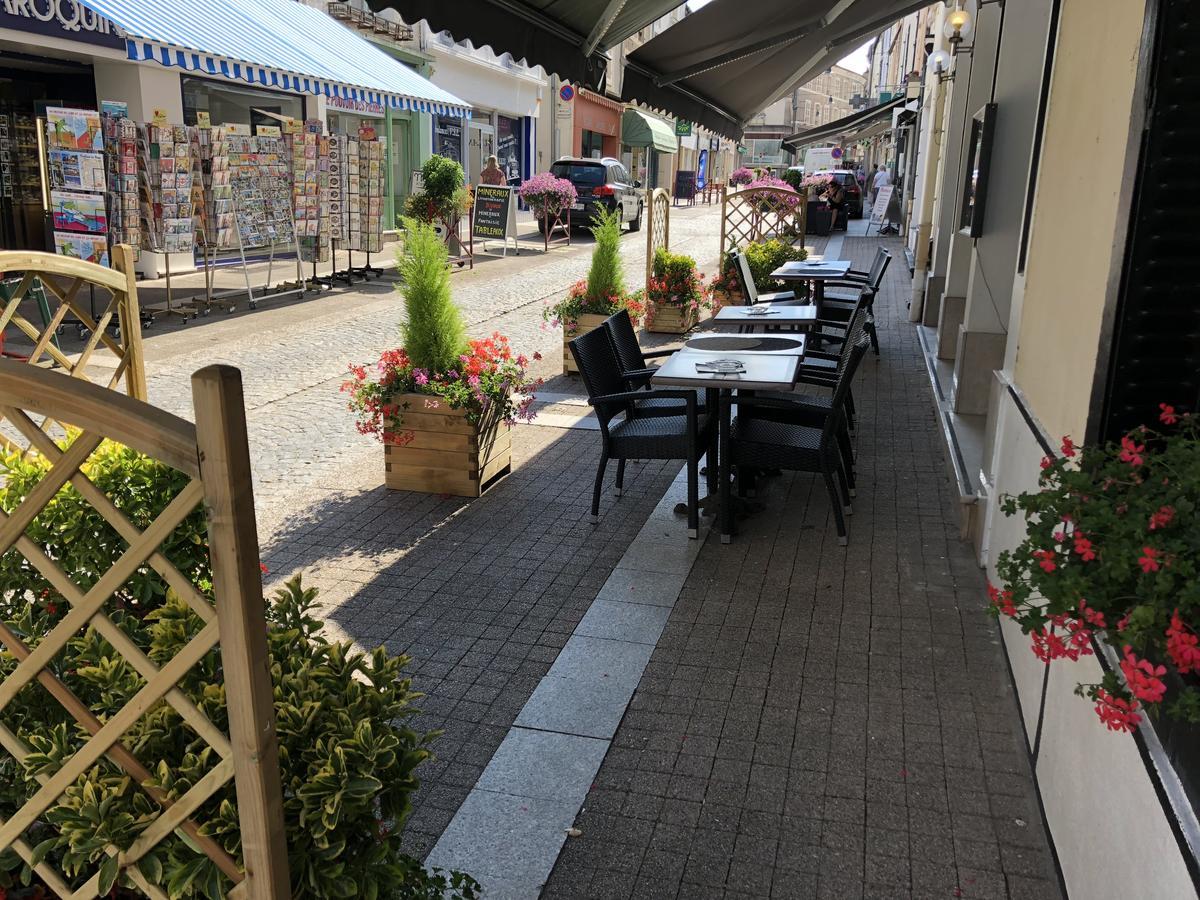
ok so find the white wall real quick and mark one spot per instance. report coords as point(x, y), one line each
point(1109, 828)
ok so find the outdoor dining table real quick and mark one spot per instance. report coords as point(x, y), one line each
point(759, 372)
point(795, 315)
point(818, 272)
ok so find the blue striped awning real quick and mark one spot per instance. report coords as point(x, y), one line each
point(279, 44)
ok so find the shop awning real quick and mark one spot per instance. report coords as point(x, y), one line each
point(639, 129)
point(274, 43)
point(565, 37)
point(851, 127)
point(729, 60)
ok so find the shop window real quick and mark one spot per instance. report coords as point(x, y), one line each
point(592, 145)
point(233, 104)
point(510, 145)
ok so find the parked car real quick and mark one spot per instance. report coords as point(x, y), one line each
point(601, 182)
point(854, 194)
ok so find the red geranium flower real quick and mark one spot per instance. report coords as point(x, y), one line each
point(1168, 415)
point(1183, 646)
point(1083, 547)
point(1149, 560)
point(1117, 713)
point(1162, 518)
point(1045, 559)
point(1143, 677)
point(1131, 452)
point(1068, 446)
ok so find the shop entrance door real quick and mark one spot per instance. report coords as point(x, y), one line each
point(483, 145)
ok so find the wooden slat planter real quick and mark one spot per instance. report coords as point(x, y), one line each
point(670, 319)
point(447, 454)
point(587, 322)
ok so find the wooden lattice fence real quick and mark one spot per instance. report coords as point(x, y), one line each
point(74, 287)
point(751, 215)
point(213, 456)
point(658, 226)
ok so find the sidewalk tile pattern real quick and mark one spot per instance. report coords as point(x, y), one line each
point(819, 721)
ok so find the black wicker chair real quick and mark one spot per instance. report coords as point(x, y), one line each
point(839, 305)
point(760, 443)
point(637, 436)
point(634, 369)
point(812, 410)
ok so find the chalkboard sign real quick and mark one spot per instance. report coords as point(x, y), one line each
point(495, 214)
point(685, 185)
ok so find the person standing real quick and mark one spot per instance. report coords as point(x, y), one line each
point(870, 182)
point(879, 180)
point(492, 173)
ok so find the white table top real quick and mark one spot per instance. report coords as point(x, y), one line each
point(764, 372)
point(808, 270)
point(777, 314)
point(733, 344)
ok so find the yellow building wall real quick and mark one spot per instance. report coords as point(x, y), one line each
point(1077, 238)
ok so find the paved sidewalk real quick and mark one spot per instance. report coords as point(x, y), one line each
point(819, 721)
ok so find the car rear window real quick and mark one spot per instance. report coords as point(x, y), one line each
point(581, 174)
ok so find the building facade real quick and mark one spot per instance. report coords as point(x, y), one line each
point(1052, 295)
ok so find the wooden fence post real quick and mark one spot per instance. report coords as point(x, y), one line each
point(130, 319)
point(237, 590)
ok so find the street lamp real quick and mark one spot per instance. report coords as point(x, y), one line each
point(958, 27)
point(940, 61)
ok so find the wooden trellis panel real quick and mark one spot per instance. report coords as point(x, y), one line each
point(69, 285)
point(213, 453)
point(752, 215)
point(658, 226)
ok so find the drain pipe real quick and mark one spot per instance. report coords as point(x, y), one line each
point(936, 91)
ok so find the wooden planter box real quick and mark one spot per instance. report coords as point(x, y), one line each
point(447, 454)
point(669, 319)
point(587, 322)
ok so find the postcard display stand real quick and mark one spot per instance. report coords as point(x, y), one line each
point(75, 163)
point(168, 223)
point(356, 185)
point(310, 155)
point(262, 205)
point(212, 203)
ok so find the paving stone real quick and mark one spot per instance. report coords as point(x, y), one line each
point(544, 765)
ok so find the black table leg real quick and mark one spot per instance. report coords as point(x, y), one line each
point(726, 508)
point(712, 401)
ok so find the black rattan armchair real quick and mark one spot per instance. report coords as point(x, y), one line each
point(634, 369)
point(839, 305)
point(760, 443)
point(635, 436)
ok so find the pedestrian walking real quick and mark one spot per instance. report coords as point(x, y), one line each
point(492, 173)
point(879, 180)
point(870, 182)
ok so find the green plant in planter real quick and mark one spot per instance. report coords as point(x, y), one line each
point(433, 332)
point(348, 758)
point(1112, 553)
point(767, 256)
point(444, 194)
point(606, 277)
point(675, 282)
point(604, 292)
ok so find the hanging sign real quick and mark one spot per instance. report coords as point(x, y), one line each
point(682, 128)
point(495, 214)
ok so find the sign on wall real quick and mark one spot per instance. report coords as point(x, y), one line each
point(682, 128)
point(495, 215)
point(69, 20)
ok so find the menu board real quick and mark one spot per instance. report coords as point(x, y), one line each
point(495, 214)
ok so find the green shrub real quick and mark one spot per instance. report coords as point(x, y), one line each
point(347, 757)
point(434, 334)
point(444, 194)
point(766, 257)
point(606, 277)
point(674, 281)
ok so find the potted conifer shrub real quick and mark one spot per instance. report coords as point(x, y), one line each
point(589, 302)
point(441, 404)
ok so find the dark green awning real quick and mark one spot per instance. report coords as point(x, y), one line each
point(639, 129)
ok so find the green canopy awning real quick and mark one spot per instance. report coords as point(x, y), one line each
point(639, 129)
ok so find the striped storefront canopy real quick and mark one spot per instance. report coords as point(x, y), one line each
point(274, 43)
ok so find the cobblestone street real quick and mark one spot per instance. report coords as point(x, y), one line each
point(294, 357)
